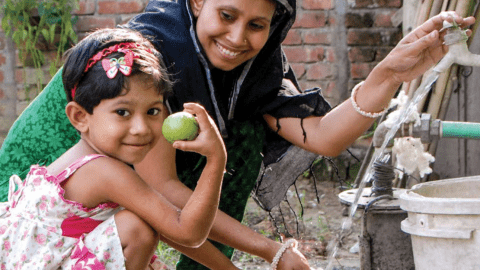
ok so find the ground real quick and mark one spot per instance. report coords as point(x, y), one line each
point(319, 226)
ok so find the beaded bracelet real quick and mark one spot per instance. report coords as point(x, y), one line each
point(360, 111)
point(290, 243)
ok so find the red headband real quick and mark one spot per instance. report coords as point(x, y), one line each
point(121, 47)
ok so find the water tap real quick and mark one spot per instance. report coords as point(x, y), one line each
point(458, 53)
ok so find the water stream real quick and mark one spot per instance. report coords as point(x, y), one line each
point(379, 155)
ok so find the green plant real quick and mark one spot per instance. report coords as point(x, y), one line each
point(322, 228)
point(167, 254)
point(32, 22)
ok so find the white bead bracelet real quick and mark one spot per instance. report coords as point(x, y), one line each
point(360, 111)
point(290, 243)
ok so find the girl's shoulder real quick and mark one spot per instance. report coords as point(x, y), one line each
point(93, 182)
point(73, 167)
point(101, 166)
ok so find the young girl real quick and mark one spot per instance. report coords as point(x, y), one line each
point(80, 210)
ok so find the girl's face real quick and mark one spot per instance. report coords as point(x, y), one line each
point(232, 31)
point(128, 126)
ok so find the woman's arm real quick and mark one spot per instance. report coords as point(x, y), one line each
point(414, 55)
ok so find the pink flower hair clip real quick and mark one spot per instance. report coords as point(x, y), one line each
point(123, 64)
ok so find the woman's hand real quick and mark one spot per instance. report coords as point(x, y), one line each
point(420, 49)
point(292, 259)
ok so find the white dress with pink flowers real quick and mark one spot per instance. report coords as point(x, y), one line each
point(40, 229)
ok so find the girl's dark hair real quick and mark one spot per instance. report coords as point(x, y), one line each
point(94, 86)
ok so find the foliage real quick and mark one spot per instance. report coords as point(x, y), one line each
point(31, 22)
point(167, 254)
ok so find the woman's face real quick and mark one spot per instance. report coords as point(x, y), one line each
point(232, 31)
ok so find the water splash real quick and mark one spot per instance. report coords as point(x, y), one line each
point(380, 155)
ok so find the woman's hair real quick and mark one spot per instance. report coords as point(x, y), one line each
point(92, 86)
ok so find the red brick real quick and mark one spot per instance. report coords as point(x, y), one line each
point(302, 54)
point(390, 3)
point(2, 41)
point(364, 37)
point(125, 18)
point(331, 20)
point(120, 7)
point(310, 20)
point(85, 7)
point(81, 35)
point(318, 4)
point(331, 56)
point(317, 36)
point(330, 89)
point(395, 37)
point(1, 76)
point(18, 75)
point(293, 38)
point(2, 94)
point(320, 71)
point(381, 53)
point(316, 54)
point(305, 85)
point(364, 54)
point(383, 19)
point(89, 23)
point(3, 59)
point(363, 3)
point(295, 54)
point(298, 69)
point(356, 20)
point(360, 70)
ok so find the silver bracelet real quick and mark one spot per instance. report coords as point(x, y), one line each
point(290, 243)
point(360, 111)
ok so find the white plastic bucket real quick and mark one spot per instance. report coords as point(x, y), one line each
point(443, 221)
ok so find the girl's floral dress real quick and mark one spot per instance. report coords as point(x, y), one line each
point(40, 229)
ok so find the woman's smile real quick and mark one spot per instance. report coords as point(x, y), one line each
point(226, 52)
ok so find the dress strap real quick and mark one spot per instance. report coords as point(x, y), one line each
point(65, 174)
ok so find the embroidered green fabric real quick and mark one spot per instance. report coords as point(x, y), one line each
point(39, 136)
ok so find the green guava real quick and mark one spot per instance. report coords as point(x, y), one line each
point(180, 126)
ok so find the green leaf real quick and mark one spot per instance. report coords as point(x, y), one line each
point(52, 70)
point(5, 25)
point(24, 34)
point(52, 32)
point(46, 34)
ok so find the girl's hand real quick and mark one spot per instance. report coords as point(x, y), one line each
point(420, 49)
point(209, 142)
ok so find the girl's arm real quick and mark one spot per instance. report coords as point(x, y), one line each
point(413, 56)
point(188, 226)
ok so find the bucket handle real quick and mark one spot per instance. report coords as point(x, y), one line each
point(410, 228)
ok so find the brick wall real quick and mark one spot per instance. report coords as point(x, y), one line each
point(333, 45)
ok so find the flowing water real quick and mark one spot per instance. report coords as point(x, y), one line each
point(380, 155)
